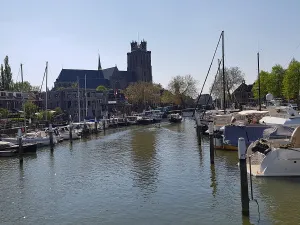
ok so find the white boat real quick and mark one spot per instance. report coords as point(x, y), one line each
point(278, 157)
point(281, 115)
point(175, 118)
point(64, 132)
point(132, 120)
point(40, 138)
point(155, 115)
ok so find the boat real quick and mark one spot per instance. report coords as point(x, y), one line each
point(175, 118)
point(280, 114)
point(40, 138)
point(122, 121)
point(277, 157)
point(64, 132)
point(154, 115)
point(132, 120)
point(227, 137)
point(145, 120)
point(8, 149)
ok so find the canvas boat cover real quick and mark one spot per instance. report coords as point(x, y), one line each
point(250, 133)
point(277, 132)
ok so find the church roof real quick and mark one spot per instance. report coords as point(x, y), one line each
point(107, 73)
point(94, 78)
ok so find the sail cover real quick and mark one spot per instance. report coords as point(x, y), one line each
point(249, 133)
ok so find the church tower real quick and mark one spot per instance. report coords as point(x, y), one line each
point(139, 61)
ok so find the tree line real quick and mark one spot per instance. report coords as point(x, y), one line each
point(280, 82)
point(7, 83)
point(181, 90)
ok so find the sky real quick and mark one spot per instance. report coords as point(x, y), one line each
point(181, 35)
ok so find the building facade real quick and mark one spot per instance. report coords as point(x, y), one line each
point(243, 95)
point(91, 106)
point(13, 101)
point(138, 69)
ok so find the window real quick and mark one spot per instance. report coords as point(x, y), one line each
point(89, 103)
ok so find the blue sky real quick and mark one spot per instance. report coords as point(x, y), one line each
point(181, 35)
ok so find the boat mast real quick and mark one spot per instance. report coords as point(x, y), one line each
point(78, 98)
point(23, 103)
point(258, 74)
point(86, 105)
point(46, 116)
point(223, 65)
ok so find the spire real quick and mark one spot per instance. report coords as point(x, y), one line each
point(99, 63)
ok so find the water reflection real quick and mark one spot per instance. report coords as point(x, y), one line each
point(281, 198)
point(213, 180)
point(144, 159)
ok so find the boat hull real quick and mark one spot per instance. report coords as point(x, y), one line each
point(173, 120)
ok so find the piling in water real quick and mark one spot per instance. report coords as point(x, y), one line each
point(243, 174)
point(211, 143)
point(20, 146)
point(70, 131)
point(96, 126)
point(51, 137)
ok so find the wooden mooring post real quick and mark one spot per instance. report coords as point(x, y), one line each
point(243, 174)
point(51, 137)
point(20, 146)
point(103, 124)
point(96, 126)
point(211, 142)
point(71, 131)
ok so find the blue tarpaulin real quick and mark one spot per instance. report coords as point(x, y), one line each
point(249, 133)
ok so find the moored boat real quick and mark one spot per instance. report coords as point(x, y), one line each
point(277, 157)
point(175, 118)
point(9, 149)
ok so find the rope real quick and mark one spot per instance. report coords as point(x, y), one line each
point(207, 73)
point(251, 188)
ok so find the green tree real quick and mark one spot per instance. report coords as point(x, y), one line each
point(30, 109)
point(275, 83)
point(18, 86)
point(182, 86)
point(58, 111)
point(143, 93)
point(2, 81)
point(3, 113)
point(101, 88)
point(74, 85)
point(264, 85)
point(291, 81)
point(7, 75)
point(167, 97)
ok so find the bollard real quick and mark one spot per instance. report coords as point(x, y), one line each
point(211, 142)
point(71, 131)
point(20, 146)
point(103, 124)
point(243, 174)
point(51, 137)
point(96, 128)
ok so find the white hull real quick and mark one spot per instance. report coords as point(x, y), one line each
point(278, 162)
point(66, 136)
point(39, 141)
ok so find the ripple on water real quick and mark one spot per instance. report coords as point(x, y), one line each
point(137, 175)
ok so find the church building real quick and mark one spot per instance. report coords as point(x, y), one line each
point(138, 69)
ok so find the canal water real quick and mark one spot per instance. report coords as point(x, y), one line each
point(139, 175)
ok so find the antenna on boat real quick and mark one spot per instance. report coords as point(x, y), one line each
point(258, 77)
